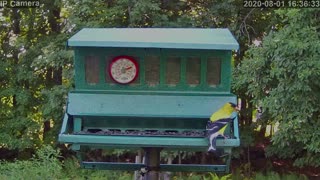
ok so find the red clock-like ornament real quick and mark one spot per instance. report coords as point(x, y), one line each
point(123, 69)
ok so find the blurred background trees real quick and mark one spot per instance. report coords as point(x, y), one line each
point(282, 76)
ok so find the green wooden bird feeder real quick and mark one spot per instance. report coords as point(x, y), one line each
point(149, 88)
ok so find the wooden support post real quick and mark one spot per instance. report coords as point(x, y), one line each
point(228, 159)
point(152, 157)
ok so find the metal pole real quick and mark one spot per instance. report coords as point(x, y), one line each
point(152, 157)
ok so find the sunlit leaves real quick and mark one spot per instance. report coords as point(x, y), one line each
point(283, 76)
point(25, 78)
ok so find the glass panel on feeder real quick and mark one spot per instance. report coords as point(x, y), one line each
point(92, 69)
point(213, 71)
point(173, 70)
point(152, 70)
point(137, 80)
point(193, 71)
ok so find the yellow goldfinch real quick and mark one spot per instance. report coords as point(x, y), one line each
point(218, 123)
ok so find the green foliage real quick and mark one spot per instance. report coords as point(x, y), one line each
point(32, 57)
point(276, 176)
point(47, 164)
point(270, 175)
point(282, 76)
point(44, 165)
point(72, 170)
point(214, 176)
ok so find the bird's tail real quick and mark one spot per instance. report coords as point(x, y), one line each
point(211, 148)
point(212, 141)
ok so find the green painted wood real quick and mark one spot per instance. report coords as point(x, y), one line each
point(154, 92)
point(102, 68)
point(77, 124)
point(112, 166)
point(193, 168)
point(177, 38)
point(64, 123)
point(183, 70)
point(79, 68)
point(163, 167)
point(142, 71)
point(236, 127)
point(75, 147)
point(129, 105)
point(146, 141)
point(137, 106)
point(142, 141)
point(142, 123)
point(162, 70)
point(102, 53)
point(226, 70)
point(228, 159)
point(203, 81)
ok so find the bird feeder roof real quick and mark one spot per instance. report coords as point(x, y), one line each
point(174, 38)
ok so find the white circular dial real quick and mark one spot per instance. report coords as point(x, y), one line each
point(123, 69)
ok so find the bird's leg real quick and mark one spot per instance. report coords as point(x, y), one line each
point(225, 136)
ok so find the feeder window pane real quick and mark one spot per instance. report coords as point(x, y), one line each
point(152, 70)
point(137, 80)
point(213, 72)
point(193, 71)
point(173, 71)
point(92, 69)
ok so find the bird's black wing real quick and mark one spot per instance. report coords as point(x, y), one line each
point(213, 127)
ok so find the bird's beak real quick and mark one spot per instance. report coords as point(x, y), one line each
point(237, 108)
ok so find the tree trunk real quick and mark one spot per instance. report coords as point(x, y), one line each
point(15, 55)
point(246, 112)
point(54, 74)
